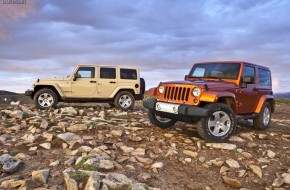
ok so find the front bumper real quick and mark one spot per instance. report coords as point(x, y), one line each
point(29, 93)
point(186, 110)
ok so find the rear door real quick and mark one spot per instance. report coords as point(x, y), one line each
point(85, 84)
point(107, 82)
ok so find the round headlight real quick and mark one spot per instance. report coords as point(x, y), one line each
point(161, 89)
point(196, 91)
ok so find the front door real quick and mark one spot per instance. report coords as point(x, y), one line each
point(107, 82)
point(248, 97)
point(85, 84)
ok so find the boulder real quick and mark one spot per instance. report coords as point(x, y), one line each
point(40, 176)
point(70, 138)
point(10, 164)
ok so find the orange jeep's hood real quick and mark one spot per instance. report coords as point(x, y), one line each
point(210, 84)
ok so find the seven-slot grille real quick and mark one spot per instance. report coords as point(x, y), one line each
point(176, 93)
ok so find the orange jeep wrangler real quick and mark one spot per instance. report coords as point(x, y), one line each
point(211, 95)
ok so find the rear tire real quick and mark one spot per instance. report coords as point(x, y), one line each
point(160, 122)
point(220, 125)
point(262, 121)
point(124, 100)
point(45, 98)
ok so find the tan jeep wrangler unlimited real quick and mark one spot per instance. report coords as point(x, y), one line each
point(119, 86)
point(212, 95)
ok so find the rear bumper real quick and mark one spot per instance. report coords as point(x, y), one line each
point(29, 93)
point(185, 110)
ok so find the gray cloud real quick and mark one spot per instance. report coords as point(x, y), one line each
point(163, 38)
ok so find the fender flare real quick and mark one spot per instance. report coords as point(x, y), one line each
point(211, 96)
point(54, 85)
point(124, 88)
point(261, 102)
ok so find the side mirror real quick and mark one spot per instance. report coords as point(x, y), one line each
point(185, 77)
point(247, 80)
point(75, 76)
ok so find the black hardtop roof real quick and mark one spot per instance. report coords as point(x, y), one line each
point(239, 62)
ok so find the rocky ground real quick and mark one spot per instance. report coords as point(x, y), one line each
point(94, 147)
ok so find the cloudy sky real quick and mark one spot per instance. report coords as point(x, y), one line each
point(47, 38)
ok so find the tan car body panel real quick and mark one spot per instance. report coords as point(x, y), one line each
point(82, 88)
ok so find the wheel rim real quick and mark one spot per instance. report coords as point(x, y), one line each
point(219, 123)
point(266, 116)
point(162, 119)
point(45, 100)
point(125, 101)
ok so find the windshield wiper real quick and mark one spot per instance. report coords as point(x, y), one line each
point(215, 78)
point(199, 78)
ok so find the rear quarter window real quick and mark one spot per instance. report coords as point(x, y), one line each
point(129, 74)
point(264, 77)
point(107, 73)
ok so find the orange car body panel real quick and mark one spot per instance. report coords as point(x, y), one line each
point(245, 100)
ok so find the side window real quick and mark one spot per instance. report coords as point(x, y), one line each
point(86, 72)
point(107, 73)
point(249, 72)
point(264, 77)
point(130, 74)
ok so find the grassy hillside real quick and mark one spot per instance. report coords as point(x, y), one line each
point(283, 101)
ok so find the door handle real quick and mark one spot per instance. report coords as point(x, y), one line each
point(255, 89)
point(92, 81)
point(112, 82)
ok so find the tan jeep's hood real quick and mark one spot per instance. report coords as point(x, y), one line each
point(53, 79)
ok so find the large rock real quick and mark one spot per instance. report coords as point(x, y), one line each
point(77, 127)
point(10, 164)
point(286, 177)
point(232, 182)
point(278, 182)
point(70, 138)
point(271, 154)
point(233, 163)
point(158, 165)
point(256, 170)
point(44, 124)
point(40, 176)
point(224, 146)
point(16, 114)
point(113, 180)
point(126, 149)
point(106, 165)
point(46, 146)
point(26, 110)
point(71, 184)
point(138, 152)
point(69, 111)
point(190, 153)
point(116, 133)
point(93, 182)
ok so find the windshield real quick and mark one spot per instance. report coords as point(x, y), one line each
point(215, 70)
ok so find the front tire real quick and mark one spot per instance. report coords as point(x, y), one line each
point(262, 121)
point(220, 125)
point(45, 99)
point(160, 122)
point(124, 100)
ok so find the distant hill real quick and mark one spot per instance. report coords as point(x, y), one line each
point(7, 97)
point(282, 95)
point(7, 93)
